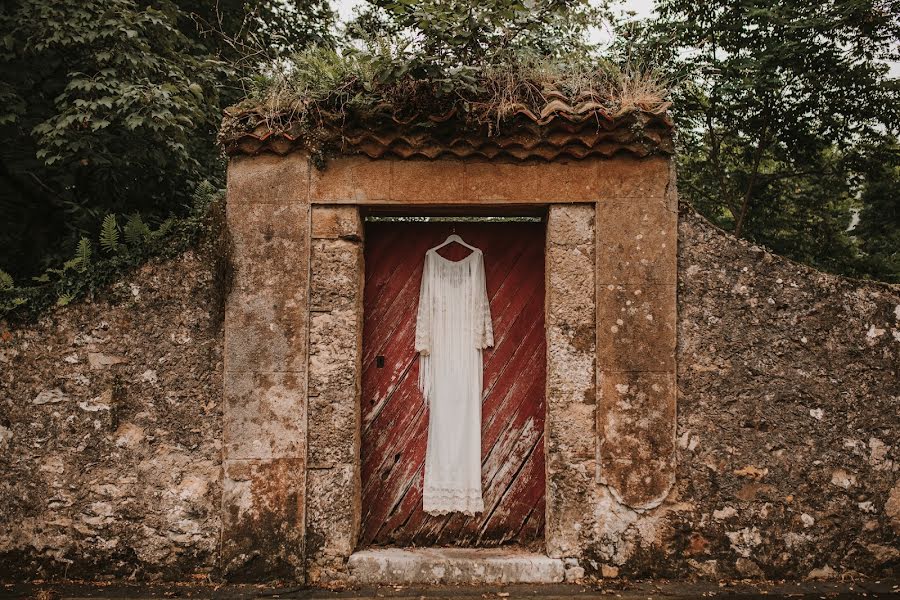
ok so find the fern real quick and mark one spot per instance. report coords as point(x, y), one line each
point(82, 257)
point(136, 231)
point(64, 299)
point(109, 234)
point(201, 196)
point(87, 271)
point(164, 228)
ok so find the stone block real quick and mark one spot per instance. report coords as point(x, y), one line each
point(636, 426)
point(636, 242)
point(351, 180)
point(571, 224)
point(672, 188)
point(335, 341)
point(267, 178)
point(333, 519)
point(336, 275)
point(571, 363)
point(266, 330)
point(336, 222)
point(570, 503)
point(629, 177)
point(333, 429)
point(271, 244)
point(263, 519)
point(571, 432)
point(265, 415)
point(636, 327)
point(570, 283)
point(453, 566)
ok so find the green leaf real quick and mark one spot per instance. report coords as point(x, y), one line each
point(109, 234)
point(6, 280)
point(136, 231)
point(82, 257)
point(64, 299)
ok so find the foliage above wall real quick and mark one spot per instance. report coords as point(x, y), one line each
point(118, 249)
point(427, 62)
point(789, 116)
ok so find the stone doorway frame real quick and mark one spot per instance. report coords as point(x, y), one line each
point(293, 340)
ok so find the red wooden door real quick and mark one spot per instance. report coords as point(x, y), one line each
point(394, 417)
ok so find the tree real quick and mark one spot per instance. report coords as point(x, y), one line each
point(449, 35)
point(879, 218)
point(775, 98)
point(112, 106)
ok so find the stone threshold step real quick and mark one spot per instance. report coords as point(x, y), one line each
point(432, 566)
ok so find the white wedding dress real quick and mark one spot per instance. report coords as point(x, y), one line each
point(453, 325)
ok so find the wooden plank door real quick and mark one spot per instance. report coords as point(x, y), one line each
point(395, 418)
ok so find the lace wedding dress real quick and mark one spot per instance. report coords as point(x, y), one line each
point(453, 325)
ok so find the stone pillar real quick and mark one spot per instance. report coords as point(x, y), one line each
point(571, 391)
point(636, 304)
point(265, 360)
point(336, 318)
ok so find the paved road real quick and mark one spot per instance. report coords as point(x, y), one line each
point(614, 590)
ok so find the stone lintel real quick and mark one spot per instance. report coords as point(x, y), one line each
point(359, 180)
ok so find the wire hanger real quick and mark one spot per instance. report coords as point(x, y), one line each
point(455, 238)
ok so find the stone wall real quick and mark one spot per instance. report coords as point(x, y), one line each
point(111, 432)
point(789, 419)
point(786, 447)
point(333, 485)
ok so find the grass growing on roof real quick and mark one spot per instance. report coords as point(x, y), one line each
point(326, 87)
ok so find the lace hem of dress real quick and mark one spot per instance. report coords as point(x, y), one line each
point(441, 501)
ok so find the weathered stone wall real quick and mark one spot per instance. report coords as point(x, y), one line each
point(266, 368)
point(336, 301)
point(786, 447)
point(570, 436)
point(111, 432)
point(787, 458)
point(789, 419)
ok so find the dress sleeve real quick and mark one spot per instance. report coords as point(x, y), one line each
point(485, 329)
point(423, 317)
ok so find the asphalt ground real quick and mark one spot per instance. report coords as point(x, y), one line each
point(645, 590)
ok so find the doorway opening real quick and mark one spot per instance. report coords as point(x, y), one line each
point(394, 418)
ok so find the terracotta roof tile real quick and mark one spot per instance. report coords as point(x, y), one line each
point(561, 130)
